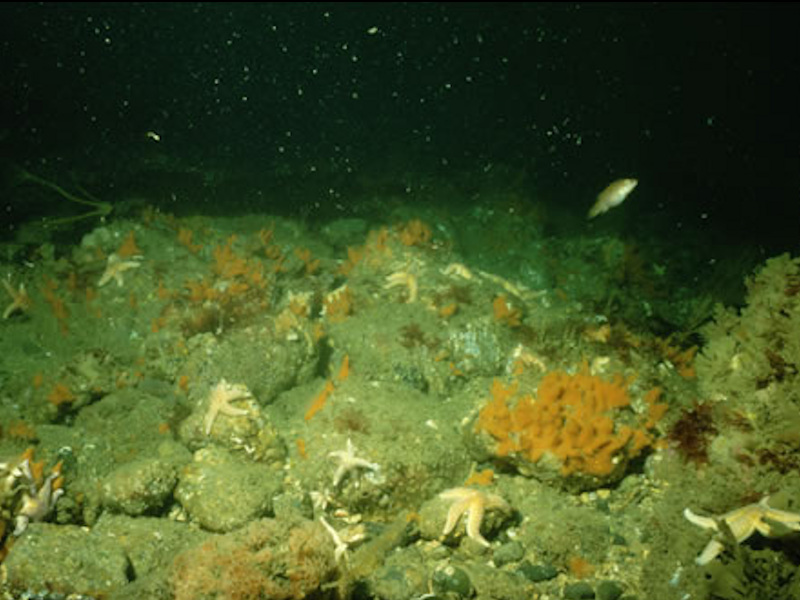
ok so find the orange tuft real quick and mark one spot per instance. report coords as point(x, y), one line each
point(265, 235)
point(580, 567)
point(354, 256)
point(319, 401)
point(56, 304)
point(505, 313)
point(338, 305)
point(60, 394)
point(162, 291)
point(414, 233)
point(485, 477)
point(448, 310)
point(311, 264)
point(72, 281)
point(226, 263)
point(301, 448)
point(454, 370)
point(655, 410)
point(128, 247)
point(185, 236)
point(20, 430)
point(344, 370)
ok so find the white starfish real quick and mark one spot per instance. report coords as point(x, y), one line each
point(20, 300)
point(115, 267)
point(339, 547)
point(744, 522)
point(220, 402)
point(473, 504)
point(348, 461)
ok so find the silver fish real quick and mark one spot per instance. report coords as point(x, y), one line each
point(614, 195)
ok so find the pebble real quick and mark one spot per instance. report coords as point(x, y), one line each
point(609, 590)
point(452, 581)
point(508, 553)
point(579, 591)
point(537, 573)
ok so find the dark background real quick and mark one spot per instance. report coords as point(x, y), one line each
point(698, 101)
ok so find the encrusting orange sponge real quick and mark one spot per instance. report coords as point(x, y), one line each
point(573, 417)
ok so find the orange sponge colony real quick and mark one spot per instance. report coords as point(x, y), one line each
point(577, 419)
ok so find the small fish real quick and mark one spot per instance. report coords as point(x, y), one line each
point(612, 196)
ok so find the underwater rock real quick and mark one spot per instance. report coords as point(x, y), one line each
point(537, 573)
point(150, 543)
point(223, 492)
point(280, 560)
point(576, 432)
point(609, 590)
point(435, 513)
point(508, 553)
point(139, 487)
point(66, 559)
point(579, 591)
point(402, 575)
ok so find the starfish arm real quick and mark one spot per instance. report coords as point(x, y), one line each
point(338, 475)
point(456, 494)
point(348, 461)
point(474, 520)
point(362, 463)
point(704, 522)
point(104, 279)
point(9, 310)
point(340, 547)
point(789, 519)
point(208, 422)
point(453, 515)
point(774, 525)
point(497, 502)
point(765, 528)
point(232, 411)
point(19, 299)
point(710, 552)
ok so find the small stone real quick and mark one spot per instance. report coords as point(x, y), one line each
point(579, 591)
point(537, 573)
point(398, 581)
point(609, 590)
point(618, 539)
point(508, 553)
point(450, 580)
